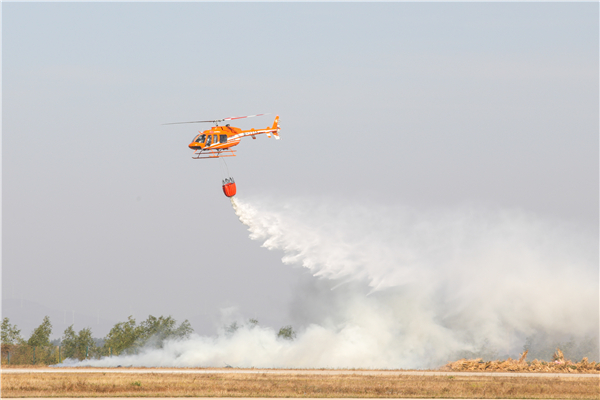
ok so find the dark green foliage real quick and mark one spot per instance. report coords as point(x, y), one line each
point(41, 334)
point(78, 345)
point(287, 333)
point(10, 333)
point(156, 328)
point(127, 337)
point(183, 331)
point(37, 350)
point(68, 343)
point(154, 331)
point(122, 336)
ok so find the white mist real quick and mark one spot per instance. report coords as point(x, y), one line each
point(398, 288)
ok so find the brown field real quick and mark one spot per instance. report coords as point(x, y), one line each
point(107, 384)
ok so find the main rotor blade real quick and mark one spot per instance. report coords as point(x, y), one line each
point(247, 116)
point(216, 121)
point(190, 122)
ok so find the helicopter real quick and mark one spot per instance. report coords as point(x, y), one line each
point(218, 141)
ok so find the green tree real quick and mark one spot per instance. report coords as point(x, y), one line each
point(85, 343)
point(41, 334)
point(78, 345)
point(154, 331)
point(10, 333)
point(183, 331)
point(127, 337)
point(157, 329)
point(69, 343)
point(122, 337)
point(287, 333)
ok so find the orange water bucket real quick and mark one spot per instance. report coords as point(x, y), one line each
point(229, 187)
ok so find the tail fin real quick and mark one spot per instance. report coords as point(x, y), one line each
point(276, 127)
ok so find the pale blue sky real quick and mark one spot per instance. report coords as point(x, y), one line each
point(423, 105)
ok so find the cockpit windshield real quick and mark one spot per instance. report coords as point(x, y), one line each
point(200, 138)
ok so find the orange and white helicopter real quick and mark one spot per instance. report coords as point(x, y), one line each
point(218, 141)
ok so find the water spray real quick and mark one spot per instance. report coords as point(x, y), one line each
point(412, 289)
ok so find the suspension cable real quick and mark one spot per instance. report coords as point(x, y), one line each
point(226, 167)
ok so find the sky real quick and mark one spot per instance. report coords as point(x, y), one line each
point(422, 105)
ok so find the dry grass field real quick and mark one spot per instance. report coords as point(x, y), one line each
point(107, 384)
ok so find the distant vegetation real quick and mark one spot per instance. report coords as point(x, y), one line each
point(129, 337)
point(126, 337)
point(287, 332)
point(10, 334)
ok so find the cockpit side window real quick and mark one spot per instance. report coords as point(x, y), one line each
point(200, 139)
point(209, 140)
point(223, 138)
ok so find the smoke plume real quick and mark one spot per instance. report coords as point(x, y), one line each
point(393, 287)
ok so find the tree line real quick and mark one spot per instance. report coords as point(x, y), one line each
point(126, 337)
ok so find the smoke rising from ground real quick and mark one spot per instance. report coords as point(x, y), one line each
point(400, 288)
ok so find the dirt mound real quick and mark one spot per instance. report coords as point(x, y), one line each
point(558, 364)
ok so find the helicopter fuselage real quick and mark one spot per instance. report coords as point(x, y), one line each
point(218, 137)
point(218, 140)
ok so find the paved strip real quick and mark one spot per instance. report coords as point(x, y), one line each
point(85, 370)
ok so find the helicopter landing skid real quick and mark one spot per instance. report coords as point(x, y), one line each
point(213, 153)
